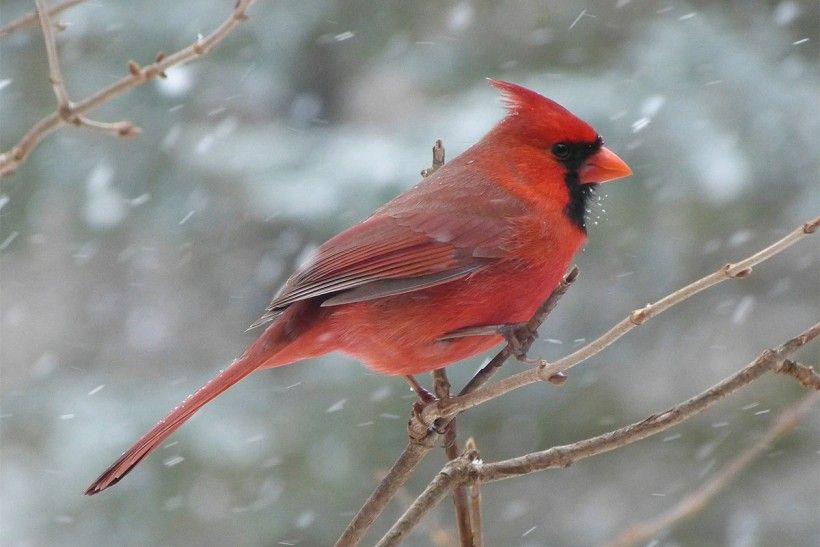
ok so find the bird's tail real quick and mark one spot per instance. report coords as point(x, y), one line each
point(263, 352)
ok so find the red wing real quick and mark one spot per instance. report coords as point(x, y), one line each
point(386, 256)
point(435, 233)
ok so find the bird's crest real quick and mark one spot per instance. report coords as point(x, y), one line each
point(544, 118)
point(517, 98)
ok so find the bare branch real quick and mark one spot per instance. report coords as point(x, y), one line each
point(767, 361)
point(55, 75)
point(460, 502)
point(438, 159)
point(438, 534)
point(116, 129)
point(475, 500)
point(383, 493)
point(452, 473)
point(467, 469)
point(32, 19)
point(642, 532)
point(806, 375)
point(546, 371)
point(471, 395)
point(12, 159)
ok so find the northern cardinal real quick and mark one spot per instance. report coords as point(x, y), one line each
point(479, 243)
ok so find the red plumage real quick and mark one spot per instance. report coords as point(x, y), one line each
point(483, 241)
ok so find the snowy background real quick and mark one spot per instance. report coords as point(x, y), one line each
point(131, 268)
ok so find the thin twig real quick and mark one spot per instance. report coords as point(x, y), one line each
point(449, 476)
point(423, 438)
point(384, 492)
point(12, 159)
point(465, 530)
point(438, 534)
point(695, 502)
point(115, 129)
point(806, 375)
point(32, 19)
point(438, 159)
point(767, 361)
point(546, 371)
point(466, 469)
point(55, 75)
point(475, 500)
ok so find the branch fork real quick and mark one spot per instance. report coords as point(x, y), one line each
point(74, 113)
point(66, 109)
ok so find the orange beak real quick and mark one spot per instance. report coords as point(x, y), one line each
point(603, 166)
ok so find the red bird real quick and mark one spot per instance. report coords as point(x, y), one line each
point(479, 243)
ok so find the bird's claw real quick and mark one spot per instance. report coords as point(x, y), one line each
point(418, 427)
point(418, 414)
point(519, 337)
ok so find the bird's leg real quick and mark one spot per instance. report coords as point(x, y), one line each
point(441, 385)
point(424, 395)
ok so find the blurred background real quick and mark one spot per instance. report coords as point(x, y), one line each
point(131, 268)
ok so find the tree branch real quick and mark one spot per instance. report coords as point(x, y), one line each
point(460, 502)
point(475, 500)
point(32, 19)
point(451, 475)
point(384, 492)
point(467, 469)
point(767, 361)
point(438, 159)
point(12, 159)
point(65, 108)
point(546, 371)
point(807, 376)
point(55, 75)
point(695, 502)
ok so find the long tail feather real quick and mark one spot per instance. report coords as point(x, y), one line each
point(271, 342)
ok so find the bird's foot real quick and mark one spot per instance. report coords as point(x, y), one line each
point(418, 428)
point(519, 337)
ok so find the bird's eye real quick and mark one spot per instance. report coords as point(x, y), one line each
point(561, 150)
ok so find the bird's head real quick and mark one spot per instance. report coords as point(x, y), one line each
point(559, 151)
point(566, 139)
